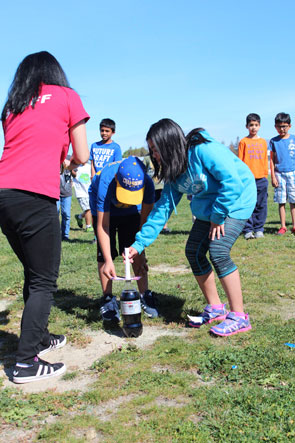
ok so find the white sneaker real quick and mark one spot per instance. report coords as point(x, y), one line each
point(249, 236)
point(258, 234)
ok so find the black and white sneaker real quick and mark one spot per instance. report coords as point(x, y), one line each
point(56, 342)
point(38, 370)
point(109, 309)
point(148, 304)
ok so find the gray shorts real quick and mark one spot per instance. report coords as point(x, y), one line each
point(84, 203)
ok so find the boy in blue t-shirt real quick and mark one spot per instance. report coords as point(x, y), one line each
point(282, 168)
point(121, 198)
point(105, 151)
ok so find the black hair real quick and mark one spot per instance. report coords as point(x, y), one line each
point(169, 140)
point(281, 117)
point(252, 118)
point(35, 69)
point(195, 137)
point(108, 123)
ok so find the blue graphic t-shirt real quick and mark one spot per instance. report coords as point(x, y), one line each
point(102, 193)
point(284, 153)
point(103, 153)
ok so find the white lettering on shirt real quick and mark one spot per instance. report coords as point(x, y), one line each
point(42, 98)
point(189, 187)
point(45, 97)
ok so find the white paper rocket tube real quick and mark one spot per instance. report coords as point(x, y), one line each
point(127, 264)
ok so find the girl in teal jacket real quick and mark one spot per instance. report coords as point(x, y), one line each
point(223, 198)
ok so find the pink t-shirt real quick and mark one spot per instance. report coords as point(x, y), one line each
point(37, 141)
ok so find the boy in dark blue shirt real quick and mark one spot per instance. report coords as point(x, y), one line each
point(121, 197)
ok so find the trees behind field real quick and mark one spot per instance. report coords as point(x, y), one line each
point(137, 152)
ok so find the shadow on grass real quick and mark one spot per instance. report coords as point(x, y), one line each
point(8, 347)
point(268, 230)
point(4, 320)
point(87, 309)
point(169, 307)
point(175, 233)
point(76, 240)
point(273, 230)
point(77, 229)
point(81, 306)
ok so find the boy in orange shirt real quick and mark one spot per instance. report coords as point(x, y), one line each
point(253, 152)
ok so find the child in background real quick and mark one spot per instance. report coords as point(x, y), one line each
point(81, 184)
point(253, 152)
point(65, 201)
point(115, 195)
point(282, 168)
point(158, 185)
point(105, 151)
point(224, 196)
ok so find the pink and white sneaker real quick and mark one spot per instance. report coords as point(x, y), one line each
point(208, 316)
point(232, 325)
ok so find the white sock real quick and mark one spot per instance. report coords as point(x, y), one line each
point(23, 365)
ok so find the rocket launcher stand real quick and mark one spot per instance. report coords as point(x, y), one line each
point(127, 277)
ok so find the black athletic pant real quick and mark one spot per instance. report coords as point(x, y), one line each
point(30, 223)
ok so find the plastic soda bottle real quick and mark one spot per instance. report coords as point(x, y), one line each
point(131, 312)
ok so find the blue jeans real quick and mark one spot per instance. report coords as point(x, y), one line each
point(30, 223)
point(64, 204)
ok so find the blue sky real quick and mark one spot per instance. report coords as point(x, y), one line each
point(200, 63)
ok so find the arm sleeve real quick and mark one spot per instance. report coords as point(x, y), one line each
point(91, 153)
point(149, 191)
point(266, 161)
point(241, 150)
point(76, 108)
point(161, 212)
point(103, 202)
point(222, 166)
point(118, 154)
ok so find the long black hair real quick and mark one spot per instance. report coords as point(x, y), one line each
point(169, 140)
point(35, 69)
point(194, 137)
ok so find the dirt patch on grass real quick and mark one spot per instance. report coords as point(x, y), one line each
point(106, 410)
point(78, 361)
point(88, 435)
point(11, 434)
point(4, 305)
point(162, 269)
point(284, 307)
point(177, 402)
point(164, 369)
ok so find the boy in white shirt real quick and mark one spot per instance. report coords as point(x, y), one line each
point(82, 180)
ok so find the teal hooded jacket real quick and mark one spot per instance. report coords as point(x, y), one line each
point(221, 186)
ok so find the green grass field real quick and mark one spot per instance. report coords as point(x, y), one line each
point(184, 388)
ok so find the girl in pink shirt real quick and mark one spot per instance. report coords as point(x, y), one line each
point(41, 116)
